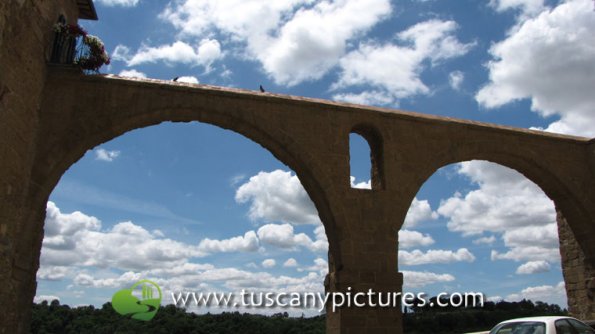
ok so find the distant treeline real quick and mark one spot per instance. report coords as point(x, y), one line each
point(451, 320)
point(55, 318)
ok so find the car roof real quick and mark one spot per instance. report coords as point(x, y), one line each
point(542, 318)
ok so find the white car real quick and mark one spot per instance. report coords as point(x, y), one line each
point(542, 325)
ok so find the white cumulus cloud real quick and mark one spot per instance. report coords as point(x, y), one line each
point(419, 211)
point(52, 273)
point(76, 239)
point(394, 69)
point(375, 97)
point(508, 204)
point(455, 79)
point(555, 294)
point(418, 279)
point(360, 185)
point(533, 267)
point(410, 239)
point(121, 52)
point(312, 42)
point(505, 200)
point(268, 263)
point(84, 279)
point(247, 243)
point(485, 240)
point(531, 243)
point(418, 257)
point(202, 54)
point(320, 265)
point(283, 236)
point(122, 3)
point(549, 60)
point(105, 155)
point(291, 262)
point(79, 251)
point(294, 41)
point(277, 196)
point(526, 7)
point(132, 73)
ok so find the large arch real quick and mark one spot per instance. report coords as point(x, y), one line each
point(90, 125)
point(251, 162)
point(155, 117)
point(56, 160)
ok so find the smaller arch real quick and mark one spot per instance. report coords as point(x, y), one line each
point(376, 144)
point(565, 197)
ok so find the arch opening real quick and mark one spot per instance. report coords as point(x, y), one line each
point(287, 231)
point(58, 161)
point(366, 159)
point(496, 232)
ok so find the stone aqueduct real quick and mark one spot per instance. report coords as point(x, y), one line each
point(51, 115)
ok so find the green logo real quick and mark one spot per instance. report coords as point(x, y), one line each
point(139, 302)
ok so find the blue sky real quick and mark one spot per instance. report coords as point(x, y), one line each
point(195, 207)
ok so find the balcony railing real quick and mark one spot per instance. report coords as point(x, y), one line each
point(72, 45)
point(64, 48)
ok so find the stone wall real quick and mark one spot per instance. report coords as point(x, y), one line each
point(579, 274)
point(26, 37)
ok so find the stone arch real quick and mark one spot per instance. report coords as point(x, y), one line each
point(542, 173)
point(281, 146)
point(564, 199)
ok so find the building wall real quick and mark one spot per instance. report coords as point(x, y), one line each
point(26, 37)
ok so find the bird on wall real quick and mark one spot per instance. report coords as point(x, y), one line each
point(262, 89)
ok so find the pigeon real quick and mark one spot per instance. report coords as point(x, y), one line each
point(262, 89)
point(175, 79)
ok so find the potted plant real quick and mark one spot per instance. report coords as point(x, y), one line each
point(71, 40)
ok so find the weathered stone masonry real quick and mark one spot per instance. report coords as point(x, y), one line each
point(50, 115)
point(579, 274)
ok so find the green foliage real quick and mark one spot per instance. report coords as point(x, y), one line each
point(56, 318)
